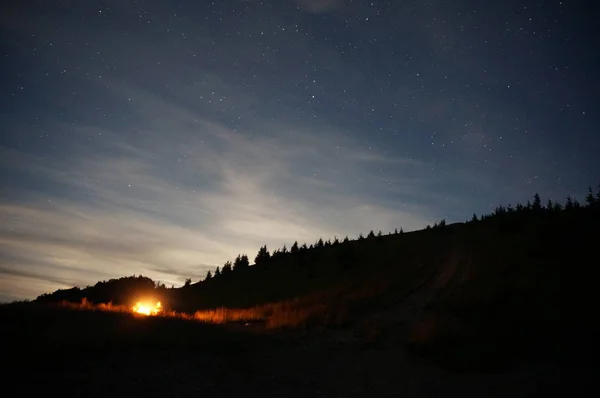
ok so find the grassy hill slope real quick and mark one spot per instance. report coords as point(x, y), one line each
point(517, 285)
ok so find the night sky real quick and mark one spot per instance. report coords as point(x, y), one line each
point(166, 137)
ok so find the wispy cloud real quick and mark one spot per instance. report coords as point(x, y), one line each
point(173, 206)
point(173, 178)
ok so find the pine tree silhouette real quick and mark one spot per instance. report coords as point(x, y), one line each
point(294, 249)
point(262, 257)
point(276, 254)
point(236, 263)
point(302, 254)
point(590, 199)
point(569, 205)
point(208, 276)
point(227, 268)
point(537, 202)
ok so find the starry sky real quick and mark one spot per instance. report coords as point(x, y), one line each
point(164, 138)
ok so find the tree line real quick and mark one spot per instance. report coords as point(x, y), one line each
point(124, 290)
point(532, 207)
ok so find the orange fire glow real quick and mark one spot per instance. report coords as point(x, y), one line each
point(147, 309)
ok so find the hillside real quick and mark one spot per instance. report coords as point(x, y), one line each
point(508, 287)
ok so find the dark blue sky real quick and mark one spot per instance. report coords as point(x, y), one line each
point(164, 138)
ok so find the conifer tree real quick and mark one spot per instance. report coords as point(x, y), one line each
point(227, 268)
point(537, 202)
point(294, 249)
point(569, 205)
point(263, 256)
point(236, 263)
point(590, 199)
point(208, 276)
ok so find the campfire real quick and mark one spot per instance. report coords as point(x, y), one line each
point(145, 308)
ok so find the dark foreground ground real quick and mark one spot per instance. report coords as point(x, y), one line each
point(94, 354)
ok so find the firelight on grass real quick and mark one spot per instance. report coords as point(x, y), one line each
point(147, 309)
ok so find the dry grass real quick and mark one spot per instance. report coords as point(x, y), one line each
point(87, 306)
point(284, 315)
point(292, 314)
point(329, 308)
point(229, 315)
